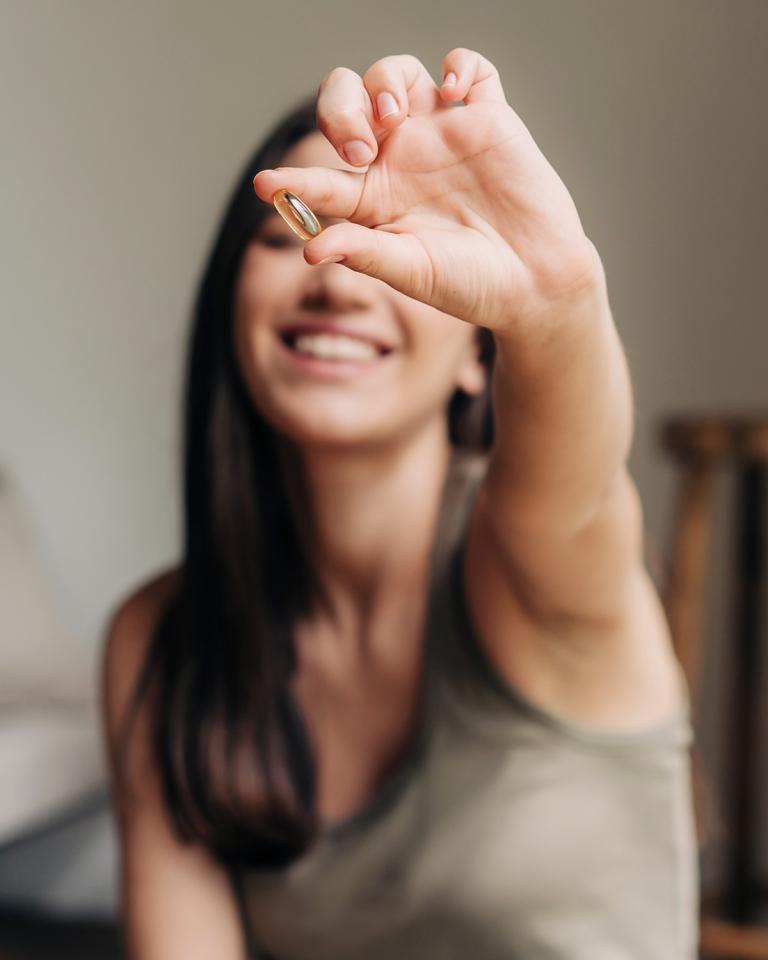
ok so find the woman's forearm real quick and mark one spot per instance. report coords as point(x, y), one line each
point(563, 411)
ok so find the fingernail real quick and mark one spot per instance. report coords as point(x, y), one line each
point(358, 151)
point(386, 104)
point(450, 80)
point(336, 259)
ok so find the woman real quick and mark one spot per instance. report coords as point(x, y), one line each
point(401, 699)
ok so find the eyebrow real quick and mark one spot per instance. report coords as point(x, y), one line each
point(271, 219)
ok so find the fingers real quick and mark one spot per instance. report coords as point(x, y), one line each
point(327, 191)
point(355, 113)
point(476, 78)
point(407, 80)
point(399, 259)
point(345, 115)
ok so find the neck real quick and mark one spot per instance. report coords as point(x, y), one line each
point(372, 518)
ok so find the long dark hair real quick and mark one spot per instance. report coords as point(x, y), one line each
point(229, 743)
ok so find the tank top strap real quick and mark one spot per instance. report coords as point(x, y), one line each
point(443, 645)
point(462, 481)
point(464, 674)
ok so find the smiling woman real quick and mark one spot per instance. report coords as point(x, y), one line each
point(427, 355)
point(405, 651)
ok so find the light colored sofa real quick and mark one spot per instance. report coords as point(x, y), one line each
point(57, 838)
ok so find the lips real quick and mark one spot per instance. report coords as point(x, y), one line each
point(290, 331)
point(333, 370)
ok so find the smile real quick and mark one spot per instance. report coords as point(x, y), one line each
point(332, 355)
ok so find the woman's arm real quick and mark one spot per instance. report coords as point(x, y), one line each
point(566, 513)
point(458, 207)
point(554, 568)
point(177, 903)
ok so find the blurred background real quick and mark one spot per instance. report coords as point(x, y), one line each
point(123, 129)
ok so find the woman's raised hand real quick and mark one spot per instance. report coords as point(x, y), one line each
point(455, 206)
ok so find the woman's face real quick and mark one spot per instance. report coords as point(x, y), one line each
point(328, 401)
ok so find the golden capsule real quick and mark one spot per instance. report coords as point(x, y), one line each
point(296, 214)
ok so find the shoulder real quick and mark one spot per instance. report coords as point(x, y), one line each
point(617, 675)
point(132, 619)
point(129, 629)
point(176, 899)
point(142, 605)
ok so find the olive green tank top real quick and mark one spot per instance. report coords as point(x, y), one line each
point(504, 832)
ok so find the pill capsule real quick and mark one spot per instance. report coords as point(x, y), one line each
point(296, 214)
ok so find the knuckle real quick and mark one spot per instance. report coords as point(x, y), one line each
point(463, 55)
point(399, 59)
point(411, 60)
point(393, 67)
point(341, 121)
point(346, 111)
point(373, 73)
point(351, 120)
point(460, 52)
point(336, 74)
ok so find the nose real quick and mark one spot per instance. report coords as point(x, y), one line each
point(334, 288)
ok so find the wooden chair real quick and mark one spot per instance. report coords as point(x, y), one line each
point(700, 446)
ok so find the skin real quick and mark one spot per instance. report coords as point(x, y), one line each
point(459, 220)
point(375, 448)
point(458, 208)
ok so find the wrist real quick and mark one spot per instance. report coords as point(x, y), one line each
point(554, 322)
point(568, 288)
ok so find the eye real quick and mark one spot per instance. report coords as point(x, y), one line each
point(276, 241)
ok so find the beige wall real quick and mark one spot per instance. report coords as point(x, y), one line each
point(123, 127)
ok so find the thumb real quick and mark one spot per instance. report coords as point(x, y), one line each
point(399, 259)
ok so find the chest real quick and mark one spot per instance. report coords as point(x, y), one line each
point(523, 848)
point(360, 712)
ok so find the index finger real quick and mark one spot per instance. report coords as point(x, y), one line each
point(326, 191)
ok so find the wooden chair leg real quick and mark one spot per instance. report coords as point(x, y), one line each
point(700, 443)
point(727, 941)
point(686, 588)
point(747, 597)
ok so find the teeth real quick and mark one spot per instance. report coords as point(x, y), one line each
point(333, 347)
